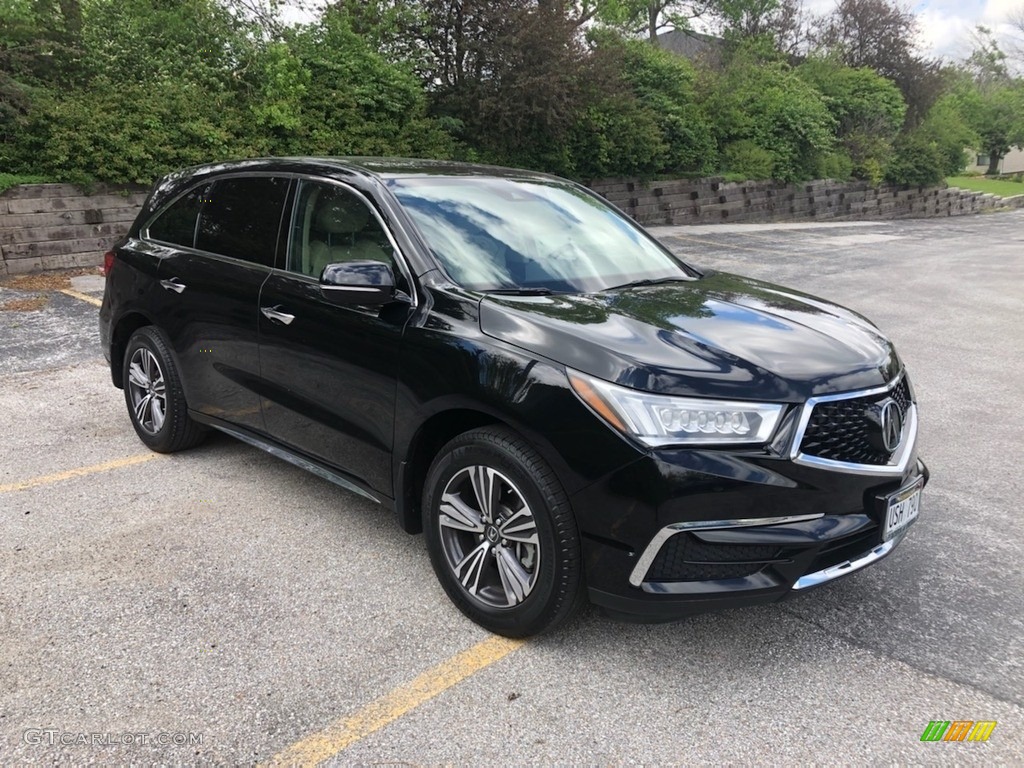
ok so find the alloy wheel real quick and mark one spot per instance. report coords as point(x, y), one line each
point(489, 537)
point(147, 390)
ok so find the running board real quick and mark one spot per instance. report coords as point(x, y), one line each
point(293, 458)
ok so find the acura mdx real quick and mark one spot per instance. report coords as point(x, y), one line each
point(513, 367)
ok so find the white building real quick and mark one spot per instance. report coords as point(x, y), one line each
point(1012, 163)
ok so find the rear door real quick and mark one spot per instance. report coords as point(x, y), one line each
point(211, 290)
point(330, 372)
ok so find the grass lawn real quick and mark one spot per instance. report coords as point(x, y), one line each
point(8, 180)
point(994, 186)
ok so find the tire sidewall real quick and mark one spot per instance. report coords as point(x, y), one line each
point(532, 615)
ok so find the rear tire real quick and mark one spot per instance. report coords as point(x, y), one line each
point(501, 534)
point(154, 396)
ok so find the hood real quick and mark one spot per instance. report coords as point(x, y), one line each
point(720, 336)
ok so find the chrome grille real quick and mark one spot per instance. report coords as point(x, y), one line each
point(840, 430)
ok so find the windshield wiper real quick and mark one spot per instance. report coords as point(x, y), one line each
point(651, 281)
point(538, 291)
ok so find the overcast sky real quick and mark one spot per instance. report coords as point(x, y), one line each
point(945, 24)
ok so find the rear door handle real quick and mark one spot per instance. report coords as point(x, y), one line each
point(173, 285)
point(276, 315)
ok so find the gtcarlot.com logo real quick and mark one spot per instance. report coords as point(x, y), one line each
point(958, 730)
point(54, 736)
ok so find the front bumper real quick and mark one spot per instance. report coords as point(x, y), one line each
point(709, 531)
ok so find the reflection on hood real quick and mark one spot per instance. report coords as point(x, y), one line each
point(721, 336)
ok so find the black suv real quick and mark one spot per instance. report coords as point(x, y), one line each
point(516, 369)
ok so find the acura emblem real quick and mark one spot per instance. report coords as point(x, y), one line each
point(891, 421)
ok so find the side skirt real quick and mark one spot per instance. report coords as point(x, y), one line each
point(299, 460)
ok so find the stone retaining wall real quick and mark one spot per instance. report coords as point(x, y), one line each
point(711, 201)
point(53, 226)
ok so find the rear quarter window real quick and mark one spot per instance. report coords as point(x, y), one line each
point(177, 224)
point(241, 217)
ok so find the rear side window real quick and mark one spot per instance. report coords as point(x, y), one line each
point(240, 218)
point(177, 224)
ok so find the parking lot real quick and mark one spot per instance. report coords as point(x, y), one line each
point(222, 606)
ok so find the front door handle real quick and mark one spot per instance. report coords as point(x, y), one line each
point(276, 315)
point(173, 285)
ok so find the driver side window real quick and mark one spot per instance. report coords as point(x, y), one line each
point(333, 225)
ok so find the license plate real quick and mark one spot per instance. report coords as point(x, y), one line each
point(901, 509)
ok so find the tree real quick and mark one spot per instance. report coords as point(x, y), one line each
point(330, 91)
point(650, 17)
point(764, 104)
point(916, 162)
point(545, 84)
point(17, 29)
point(780, 21)
point(882, 35)
point(1015, 44)
point(509, 77)
point(206, 82)
point(615, 135)
point(997, 116)
point(87, 134)
point(144, 41)
point(991, 100)
point(262, 15)
point(950, 132)
point(665, 86)
point(987, 63)
point(40, 41)
point(174, 63)
point(868, 110)
point(869, 33)
point(395, 28)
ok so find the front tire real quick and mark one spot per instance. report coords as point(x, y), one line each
point(501, 534)
point(154, 395)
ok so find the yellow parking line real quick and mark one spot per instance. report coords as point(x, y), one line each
point(82, 296)
point(79, 472)
point(345, 732)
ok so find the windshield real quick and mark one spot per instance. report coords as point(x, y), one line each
point(493, 234)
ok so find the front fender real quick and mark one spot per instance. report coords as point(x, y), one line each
point(486, 381)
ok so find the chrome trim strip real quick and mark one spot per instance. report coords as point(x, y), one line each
point(404, 266)
point(902, 455)
point(847, 566)
point(636, 578)
point(193, 184)
point(900, 459)
point(367, 289)
point(206, 254)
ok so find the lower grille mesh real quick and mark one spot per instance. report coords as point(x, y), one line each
point(686, 558)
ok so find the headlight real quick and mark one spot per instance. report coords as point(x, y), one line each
point(660, 420)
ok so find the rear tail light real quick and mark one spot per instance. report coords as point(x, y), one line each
point(108, 262)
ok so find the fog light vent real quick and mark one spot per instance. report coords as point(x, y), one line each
point(685, 558)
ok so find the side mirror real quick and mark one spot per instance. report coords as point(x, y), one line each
point(358, 282)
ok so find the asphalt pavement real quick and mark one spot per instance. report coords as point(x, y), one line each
point(221, 606)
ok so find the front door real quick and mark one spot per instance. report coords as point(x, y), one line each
point(330, 372)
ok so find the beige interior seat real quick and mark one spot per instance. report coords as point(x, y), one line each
point(343, 230)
